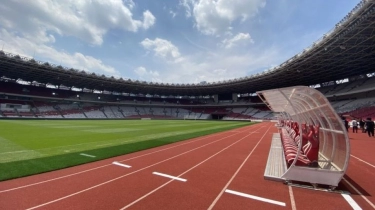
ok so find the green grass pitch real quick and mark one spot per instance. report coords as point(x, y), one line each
point(35, 146)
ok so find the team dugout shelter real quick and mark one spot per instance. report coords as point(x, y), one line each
point(312, 145)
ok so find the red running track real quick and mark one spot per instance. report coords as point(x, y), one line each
point(211, 165)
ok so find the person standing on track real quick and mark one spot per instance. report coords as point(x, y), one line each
point(370, 127)
point(346, 122)
point(362, 125)
point(355, 126)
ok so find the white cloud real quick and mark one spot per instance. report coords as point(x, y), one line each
point(220, 71)
point(204, 65)
point(129, 3)
point(216, 17)
point(86, 20)
point(162, 48)
point(186, 5)
point(172, 13)
point(146, 75)
point(19, 45)
point(42, 23)
point(140, 71)
point(148, 19)
point(220, 66)
point(240, 38)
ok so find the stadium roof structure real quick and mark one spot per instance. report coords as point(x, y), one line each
point(346, 51)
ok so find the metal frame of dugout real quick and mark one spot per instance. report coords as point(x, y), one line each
point(304, 108)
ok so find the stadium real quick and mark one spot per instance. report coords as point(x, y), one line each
point(72, 139)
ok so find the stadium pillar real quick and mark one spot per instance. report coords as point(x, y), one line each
point(234, 97)
point(216, 98)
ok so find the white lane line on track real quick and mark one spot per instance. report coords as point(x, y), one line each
point(99, 167)
point(363, 161)
point(238, 170)
point(292, 200)
point(87, 155)
point(351, 202)
point(255, 197)
point(169, 176)
point(161, 186)
point(120, 164)
point(112, 180)
point(359, 193)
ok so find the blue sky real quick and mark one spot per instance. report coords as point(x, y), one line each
point(179, 41)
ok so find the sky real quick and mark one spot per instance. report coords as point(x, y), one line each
point(167, 41)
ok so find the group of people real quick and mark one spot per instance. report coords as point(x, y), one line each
point(366, 126)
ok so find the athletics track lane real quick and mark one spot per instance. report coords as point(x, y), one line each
point(52, 190)
point(207, 180)
point(361, 170)
point(362, 147)
point(120, 192)
point(248, 181)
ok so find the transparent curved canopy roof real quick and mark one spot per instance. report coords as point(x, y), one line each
point(307, 105)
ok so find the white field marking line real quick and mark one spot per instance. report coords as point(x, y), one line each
point(16, 152)
point(161, 186)
point(169, 176)
point(99, 145)
point(255, 197)
point(363, 161)
point(235, 174)
point(87, 155)
point(292, 200)
point(116, 142)
point(120, 164)
point(112, 180)
point(88, 170)
point(359, 193)
point(70, 145)
point(50, 148)
point(351, 202)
